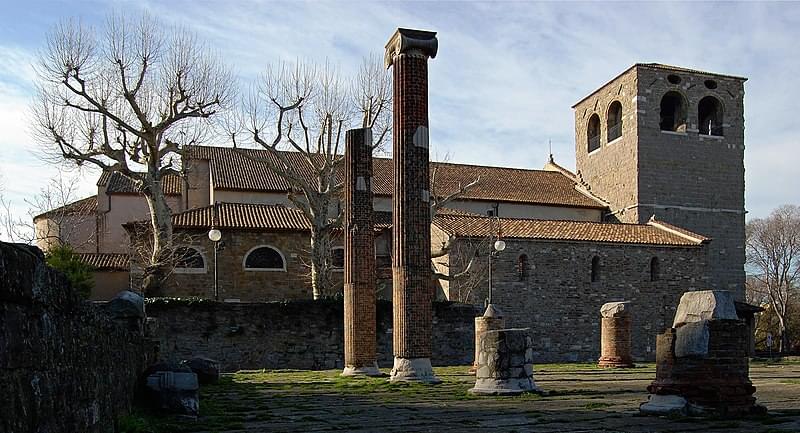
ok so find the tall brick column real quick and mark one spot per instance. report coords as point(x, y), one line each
point(359, 257)
point(408, 51)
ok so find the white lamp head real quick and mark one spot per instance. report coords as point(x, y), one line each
point(214, 235)
point(499, 245)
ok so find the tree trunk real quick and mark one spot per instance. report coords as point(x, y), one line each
point(161, 227)
point(320, 262)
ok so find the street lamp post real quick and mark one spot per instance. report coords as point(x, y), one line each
point(214, 235)
point(498, 246)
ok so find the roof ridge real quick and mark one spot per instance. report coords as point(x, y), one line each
point(678, 231)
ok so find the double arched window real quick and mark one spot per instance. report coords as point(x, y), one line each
point(614, 122)
point(264, 258)
point(673, 112)
point(188, 260)
point(709, 116)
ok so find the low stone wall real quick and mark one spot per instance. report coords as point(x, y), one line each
point(65, 365)
point(297, 334)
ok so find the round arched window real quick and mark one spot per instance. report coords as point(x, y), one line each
point(188, 260)
point(264, 258)
point(593, 133)
point(709, 116)
point(673, 112)
point(614, 122)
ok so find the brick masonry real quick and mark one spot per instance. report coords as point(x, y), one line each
point(411, 262)
point(298, 334)
point(559, 302)
point(65, 365)
point(615, 342)
point(691, 180)
point(359, 247)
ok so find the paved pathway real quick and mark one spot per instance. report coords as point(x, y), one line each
point(582, 399)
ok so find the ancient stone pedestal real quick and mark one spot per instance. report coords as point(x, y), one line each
point(615, 336)
point(491, 320)
point(505, 363)
point(407, 52)
point(359, 262)
point(174, 391)
point(702, 364)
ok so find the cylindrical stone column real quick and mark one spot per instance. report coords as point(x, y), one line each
point(615, 336)
point(359, 257)
point(490, 321)
point(408, 52)
point(505, 363)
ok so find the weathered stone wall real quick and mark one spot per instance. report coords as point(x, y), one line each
point(558, 300)
point(299, 334)
point(65, 365)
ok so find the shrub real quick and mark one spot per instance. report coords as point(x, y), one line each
point(79, 274)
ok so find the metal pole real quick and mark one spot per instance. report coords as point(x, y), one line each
point(216, 280)
point(490, 276)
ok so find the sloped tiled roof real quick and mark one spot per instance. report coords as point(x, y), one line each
point(106, 261)
point(650, 234)
point(231, 170)
point(86, 205)
point(118, 183)
point(242, 216)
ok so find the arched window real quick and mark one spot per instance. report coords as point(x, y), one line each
point(654, 269)
point(337, 257)
point(709, 116)
point(522, 267)
point(614, 122)
point(188, 260)
point(593, 133)
point(264, 258)
point(673, 112)
point(595, 269)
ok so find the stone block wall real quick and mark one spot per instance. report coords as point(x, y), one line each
point(557, 299)
point(298, 334)
point(65, 365)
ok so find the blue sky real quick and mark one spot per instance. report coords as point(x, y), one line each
point(502, 85)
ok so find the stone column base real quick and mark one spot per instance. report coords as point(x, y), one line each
point(614, 362)
point(503, 386)
point(367, 370)
point(413, 370)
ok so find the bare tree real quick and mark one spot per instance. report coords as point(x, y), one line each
point(305, 109)
point(128, 100)
point(773, 251)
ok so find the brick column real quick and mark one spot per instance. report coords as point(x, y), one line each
point(408, 51)
point(615, 336)
point(359, 257)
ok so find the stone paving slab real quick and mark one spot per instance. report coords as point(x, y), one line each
point(581, 398)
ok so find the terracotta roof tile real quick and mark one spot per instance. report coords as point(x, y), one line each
point(118, 183)
point(466, 226)
point(106, 261)
point(242, 216)
point(86, 205)
point(233, 170)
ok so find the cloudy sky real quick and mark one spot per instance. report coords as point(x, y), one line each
point(502, 85)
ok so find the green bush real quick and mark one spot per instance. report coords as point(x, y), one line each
point(79, 274)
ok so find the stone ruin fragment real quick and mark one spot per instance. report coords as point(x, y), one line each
point(702, 361)
point(615, 335)
point(505, 363)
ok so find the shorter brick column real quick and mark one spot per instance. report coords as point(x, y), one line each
point(359, 259)
point(490, 321)
point(615, 336)
point(505, 363)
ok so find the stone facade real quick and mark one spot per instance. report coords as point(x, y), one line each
point(359, 265)
point(297, 334)
point(686, 177)
point(556, 297)
point(65, 364)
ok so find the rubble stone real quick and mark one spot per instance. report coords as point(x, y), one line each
point(505, 363)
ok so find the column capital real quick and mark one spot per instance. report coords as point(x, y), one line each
point(408, 40)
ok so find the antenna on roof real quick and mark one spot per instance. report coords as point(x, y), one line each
point(550, 146)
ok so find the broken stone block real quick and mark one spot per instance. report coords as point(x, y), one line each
point(664, 405)
point(206, 369)
point(505, 366)
point(174, 392)
point(705, 305)
point(127, 305)
point(691, 339)
point(615, 309)
point(491, 320)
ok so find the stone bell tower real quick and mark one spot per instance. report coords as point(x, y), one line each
point(668, 142)
point(407, 52)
